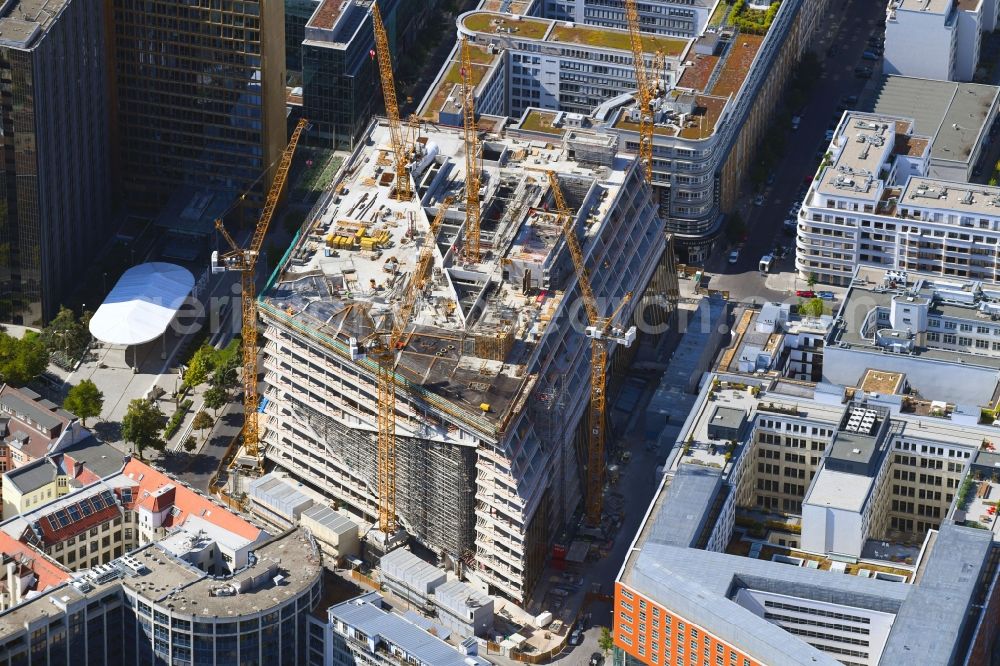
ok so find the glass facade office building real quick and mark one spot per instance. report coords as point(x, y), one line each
point(55, 170)
point(200, 95)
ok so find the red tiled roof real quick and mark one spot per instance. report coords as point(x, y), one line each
point(185, 501)
point(49, 573)
point(51, 536)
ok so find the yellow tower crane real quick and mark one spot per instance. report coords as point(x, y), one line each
point(399, 149)
point(472, 148)
point(602, 331)
point(644, 95)
point(383, 348)
point(245, 262)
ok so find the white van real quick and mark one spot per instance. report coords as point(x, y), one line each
point(766, 262)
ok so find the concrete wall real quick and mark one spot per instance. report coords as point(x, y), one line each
point(967, 55)
point(830, 530)
point(935, 380)
point(919, 44)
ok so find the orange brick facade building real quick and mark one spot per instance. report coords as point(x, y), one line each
point(650, 634)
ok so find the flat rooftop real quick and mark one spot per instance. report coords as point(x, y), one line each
point(929, 6)
point(327, 13)
point(700, 585)
point(947, 195)
point(25, 20)
point(171, 580)
point(861, 146)
point(448, 91)
point(867, 292)
point(839, 490)
point(349, 269)
point(939, 604)
point(560, 32)
point(953, 114)
point(882, 381)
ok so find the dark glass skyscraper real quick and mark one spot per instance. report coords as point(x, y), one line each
point(200, 95)
point(55, 175)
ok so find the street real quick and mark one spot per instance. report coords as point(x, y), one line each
point(848, 28)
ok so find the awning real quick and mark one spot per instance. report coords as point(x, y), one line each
point(142, 304)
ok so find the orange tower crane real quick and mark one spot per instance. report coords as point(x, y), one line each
point(602, 331)
point(472, 149)
point(644, 95)
point(399, 149)
point(384, 353)
point(245, 262)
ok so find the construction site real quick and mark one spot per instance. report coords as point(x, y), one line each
point(492, 374)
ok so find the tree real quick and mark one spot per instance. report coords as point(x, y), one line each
point(202, 421)
point(605, 642)
point(21, 360)
point(215, 398)
point(814, 307)
point(141, 425)
point(201, 365)
point(811, 280)
point(225, 376)
point(85, 400)
point(190, 444)
point(66, 334)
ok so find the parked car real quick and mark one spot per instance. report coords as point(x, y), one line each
point(805, 293)
point(869, 55)
point(770, 179)
point(863, 72)
point(758, 200)
point(734, 256)
point(796, 121)
point(848, 100)
point(829, 135)
point(825, 295)
point(596, 659)
point(576, 638)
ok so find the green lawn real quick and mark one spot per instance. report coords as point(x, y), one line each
point(320, 175)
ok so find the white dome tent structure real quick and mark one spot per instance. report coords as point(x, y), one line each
point(142, 304)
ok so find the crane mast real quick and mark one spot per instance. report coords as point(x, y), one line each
point(385, 357)
point(399, 150)
point(472, 210)
point(644, 95)
point(245, 261)
point(601, 332)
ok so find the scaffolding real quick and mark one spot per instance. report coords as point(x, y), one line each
point(434, 486)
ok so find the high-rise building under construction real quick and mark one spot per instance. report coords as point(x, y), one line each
point(200, 95)
point(493, 372)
